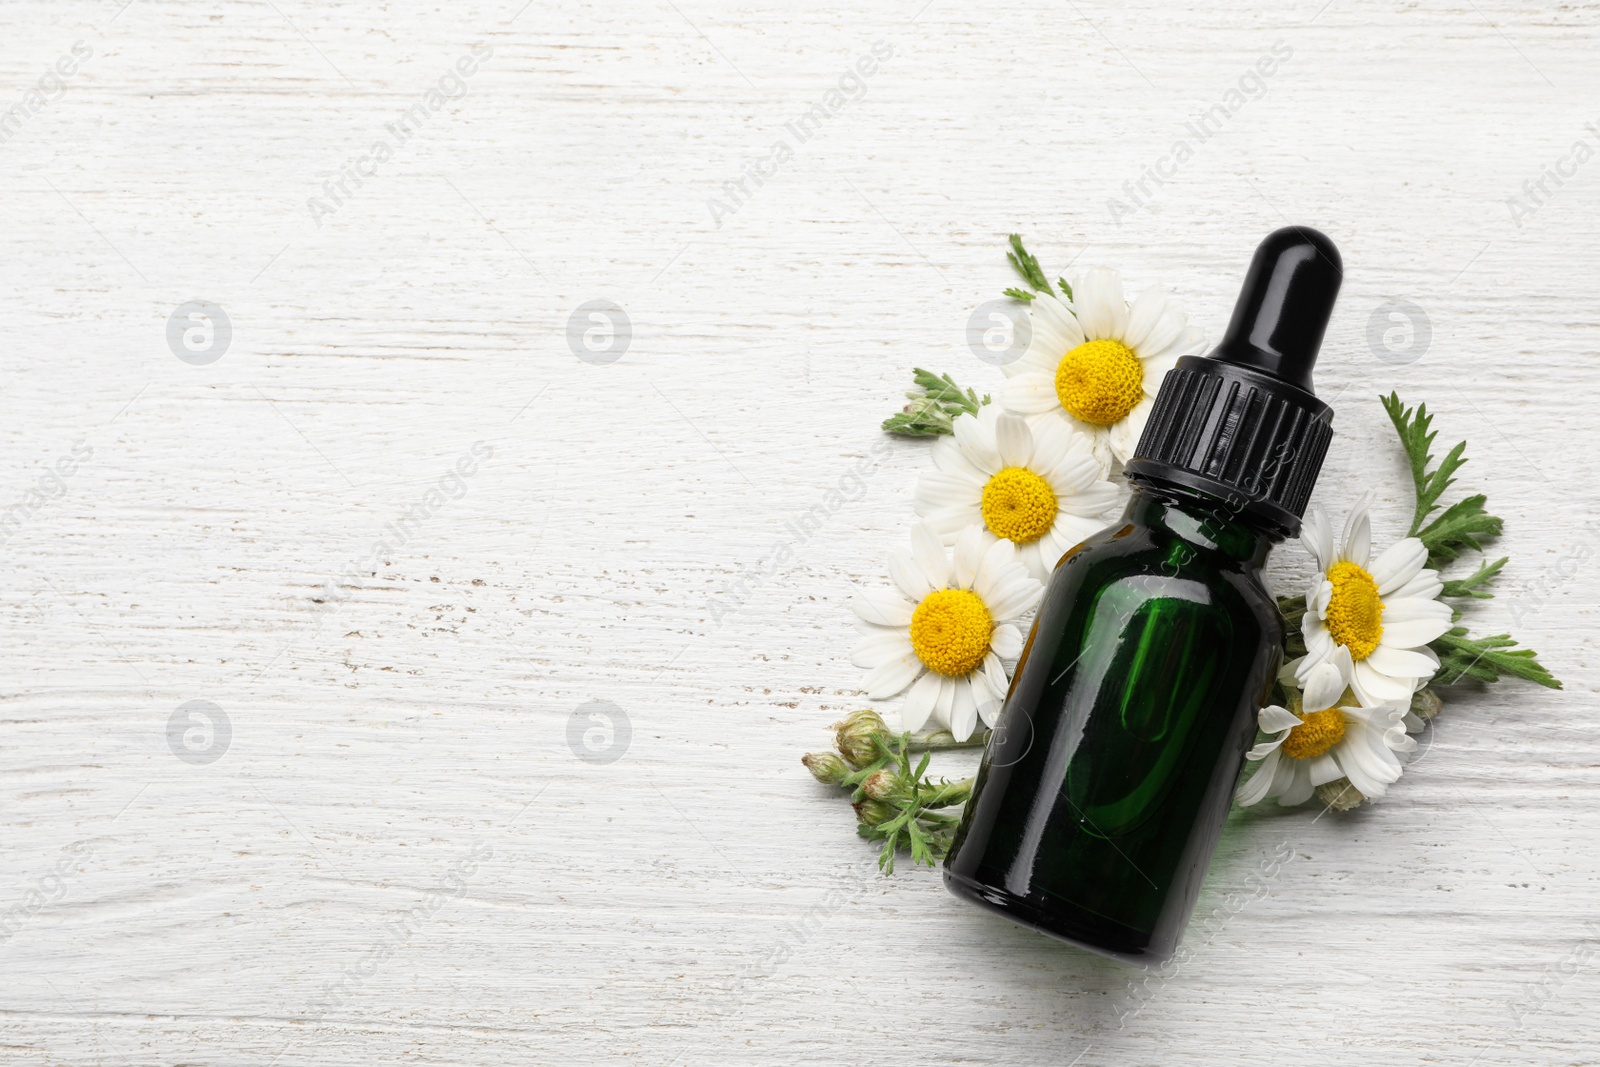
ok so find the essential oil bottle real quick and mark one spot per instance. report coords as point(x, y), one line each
point(1108, 778)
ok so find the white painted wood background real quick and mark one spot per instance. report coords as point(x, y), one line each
point(398, 857)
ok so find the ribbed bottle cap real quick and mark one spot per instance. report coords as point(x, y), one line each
point(1242, 423)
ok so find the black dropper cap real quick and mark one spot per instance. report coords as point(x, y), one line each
point(1242, 423)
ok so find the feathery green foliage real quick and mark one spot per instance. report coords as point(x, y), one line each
point(935, 401)
point(1487, 659)
point(1464, 524)
point(1024, 264)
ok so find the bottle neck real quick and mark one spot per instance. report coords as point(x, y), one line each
point(1207, 522)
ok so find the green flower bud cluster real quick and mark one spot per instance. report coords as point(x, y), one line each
point(893, 802)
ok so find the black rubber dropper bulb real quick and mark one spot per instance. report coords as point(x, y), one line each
point(1284, 306)
point(1108, 777)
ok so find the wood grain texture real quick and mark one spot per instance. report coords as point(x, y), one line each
point(399, 858)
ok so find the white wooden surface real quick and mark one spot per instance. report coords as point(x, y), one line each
point(399, 858)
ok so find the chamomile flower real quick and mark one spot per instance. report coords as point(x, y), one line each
point(1039, 488)
point(1382, 611)
point(1097, 362)
point(944, 629)
point(1327, 740)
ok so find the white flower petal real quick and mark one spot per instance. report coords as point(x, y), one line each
point(1341, 660)
point(937, 490)
point(919, 703)
point(1319, 597)
point(1032, 557)
point(1014, 440)
point(982, 691)
point(1397, 565)
point(1401, 663)
point(1123, 436)
point(1255, 789)
point(976, 442)
point(945, 702)
point(876, 649)
point(994, 673)
point(1425, 586)
point(1079, 470)
point(971, 543)
point(1412, 609)
point(887, 679)
point(1319, 645)
point(927, 549)
point(1030, 394)
point(996, 565)
point(1293, 787)
point(1273, 719)
point(1324, 686)
point(1168, 337)
point(963, 712)
point(1316, 535)
point(1092, 502)
point(988, 415)
point(1357, 545)
point(1143, 315)
point(907, 575)
point(1372, 686)
point(950, 460)
point(1356, 769)
point(883, 607)
point(1054, 442)
point(1072, 531)
point(1043, 354)
point(947, 523)
point(1006, 642)
point(1367, 758)
point(1324, 769)
point(1413, 633)
point(1098, 300)
point(1014, 593)
point(1053, 315)
point(1265, 748)
point(1156, 370)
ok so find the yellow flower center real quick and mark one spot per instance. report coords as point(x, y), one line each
point(950, 631)
point(1099, 382)
point(1317, 733)
point(1018, 505)
point(1355, 614)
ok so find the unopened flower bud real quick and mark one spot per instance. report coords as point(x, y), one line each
point(858, 735)
point(1340, 795)
point(825, 767)
point(882, 785)
point(1425, 703)
point(874, 812)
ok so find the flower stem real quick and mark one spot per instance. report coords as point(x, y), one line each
point(937, 744)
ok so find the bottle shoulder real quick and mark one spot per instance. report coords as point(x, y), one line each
point(1161, 564)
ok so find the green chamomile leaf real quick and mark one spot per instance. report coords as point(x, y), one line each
point(1486, 659)
point(1462, 525)
point(1024, 264)
point(1477, 584)
point(935, 401)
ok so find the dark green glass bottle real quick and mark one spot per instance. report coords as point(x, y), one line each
point(1110, 774)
